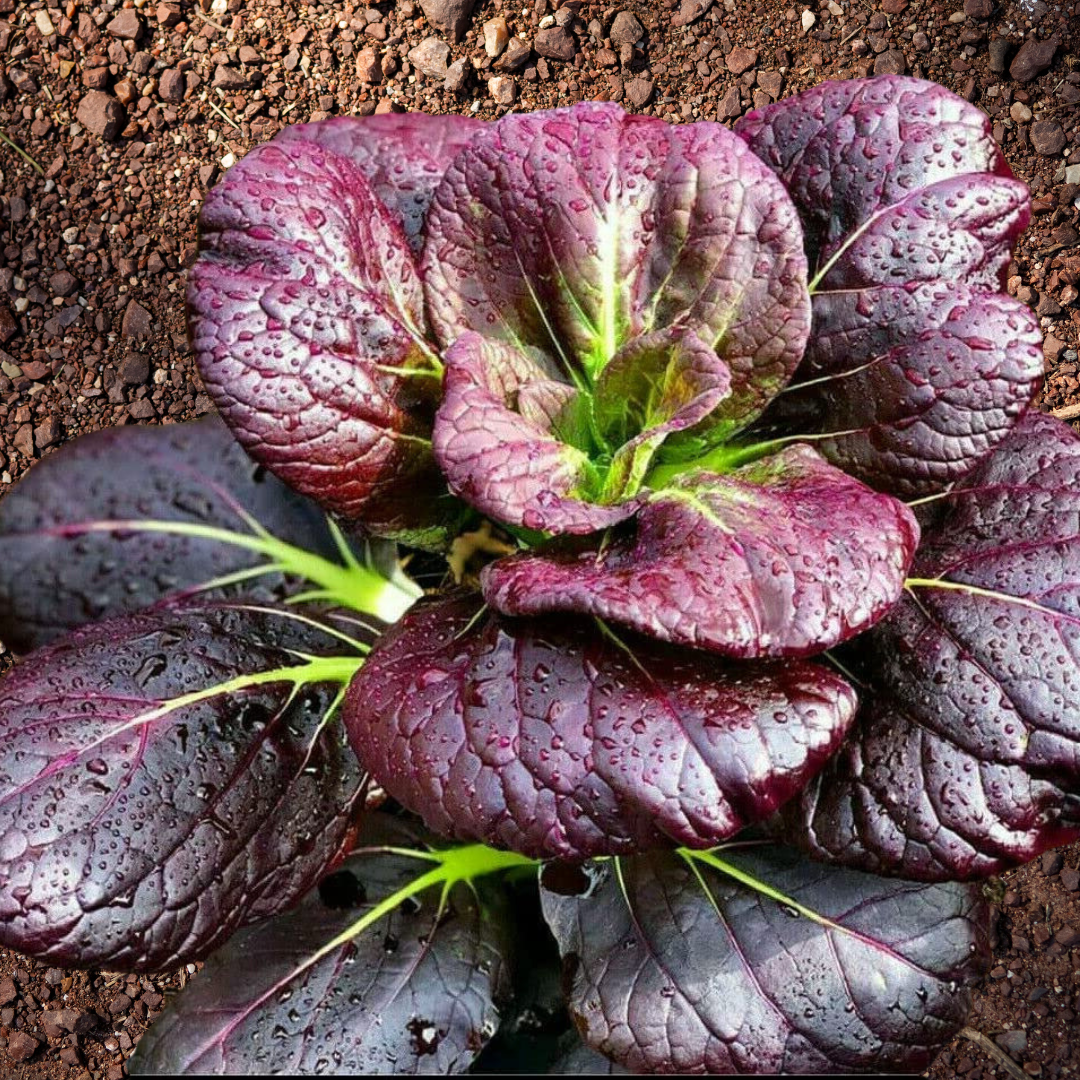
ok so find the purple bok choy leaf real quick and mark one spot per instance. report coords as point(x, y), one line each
point(82, 540)
point(915, 361)
point(759, 961)
point(786, 556)
point(368, 975)
point(309, 330)
point(169, 776)
point(966, 758)
point(555, 740)
point(403, 155)
point(574, 231)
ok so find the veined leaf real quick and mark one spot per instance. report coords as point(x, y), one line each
point(368, 975)
point(759, 961)
point(576, 230)
point(308, 328)
point(554, 740)
point(784, 557)
point(403, 155)
point(915, 359)
point(170, 776)
point(63, 566)
point(967, 759)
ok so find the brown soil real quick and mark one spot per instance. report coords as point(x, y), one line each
point(93, 251)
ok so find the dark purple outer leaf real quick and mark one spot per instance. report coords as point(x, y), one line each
point(406, 997)
point(901, 183)
point(960, 230)
point(54, 577)
point(403, 155)
point(305, 306)
point(578, 229)
point(848, 150)
point(140, 845)
point(672, 971)
point(553, 741)
point(784, 557)
point(922, 381)
point(512, 467)
point(968, 761)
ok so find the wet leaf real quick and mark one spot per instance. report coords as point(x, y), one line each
point(966, 759)
point(789, 967)
point(415, 993)
point(55, 575)
point(146, 810)
point(784, 557)
point(550, 739)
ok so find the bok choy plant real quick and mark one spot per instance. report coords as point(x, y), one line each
point(760, 649)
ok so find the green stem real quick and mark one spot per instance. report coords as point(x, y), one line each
point(726, 458)
point(350, 584)
point(454, 865)
point(710, 859)
point(973, 590)
point(22, 153)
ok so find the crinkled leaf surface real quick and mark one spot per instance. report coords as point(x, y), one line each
point(137, 831)
point(961, 230)
point(307, 315)
point(527, 448)
point(783, 557)
point(403, 155)
point(899, 184)
point(847, 151)
point(920, 380)
point(665, 381)
point(576, 230)
point(56, 575)
point(968, 760)
point(412, 994)
point(677, 967)
point(550, 739)
point(511, 466)
point(657, 385)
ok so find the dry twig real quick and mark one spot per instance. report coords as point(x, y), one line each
point(995, 1051)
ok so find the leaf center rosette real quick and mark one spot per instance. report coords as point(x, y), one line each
point(615, 301)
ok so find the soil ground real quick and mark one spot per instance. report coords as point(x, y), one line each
point(125, 114)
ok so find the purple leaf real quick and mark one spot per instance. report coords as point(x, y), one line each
point(847, 151)
point(56, 576)
point(957, 230)
point(920, 381)
point(551, 740)
point(899, 184)
point(403, 155)
point(138, 827)
point(969, 759)
point(507, 465)
point(784, 557)
point(576, 230)
point(307, 322)
point(674, 965)
point(414, 993)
